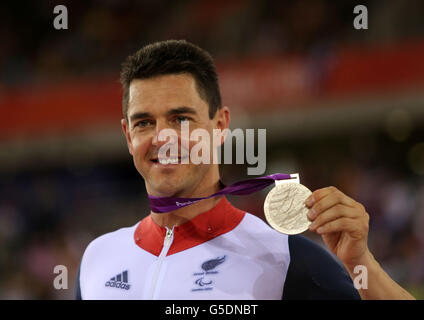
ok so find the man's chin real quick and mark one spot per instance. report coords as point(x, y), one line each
point(166, 189)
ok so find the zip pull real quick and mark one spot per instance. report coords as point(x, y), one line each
point(168, 236)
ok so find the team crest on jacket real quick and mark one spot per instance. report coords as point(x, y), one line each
point(203, 279)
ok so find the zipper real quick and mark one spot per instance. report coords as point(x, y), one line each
point(167, 242)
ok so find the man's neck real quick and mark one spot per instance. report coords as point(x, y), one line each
point(182, 215)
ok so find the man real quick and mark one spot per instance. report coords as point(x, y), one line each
point(210, 249)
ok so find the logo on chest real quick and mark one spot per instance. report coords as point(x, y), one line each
point(204, 279)
point(119, 281)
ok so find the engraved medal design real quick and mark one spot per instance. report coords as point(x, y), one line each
point(285, 208)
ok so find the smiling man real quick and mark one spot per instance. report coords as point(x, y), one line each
point(163, 103)
point(210, 249)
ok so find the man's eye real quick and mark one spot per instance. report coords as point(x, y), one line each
point(181, 119)
point(142, 123)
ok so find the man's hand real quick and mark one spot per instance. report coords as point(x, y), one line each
point(342, 222)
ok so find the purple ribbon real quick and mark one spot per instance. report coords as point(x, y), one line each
point(166, 204)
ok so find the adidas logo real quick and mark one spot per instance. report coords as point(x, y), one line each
point(119, 281)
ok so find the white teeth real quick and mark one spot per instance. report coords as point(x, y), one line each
point(168, 161)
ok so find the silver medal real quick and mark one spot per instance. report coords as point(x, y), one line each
point(285, 208)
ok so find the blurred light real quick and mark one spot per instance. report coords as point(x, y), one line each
point(416, 158)
point(398, 125)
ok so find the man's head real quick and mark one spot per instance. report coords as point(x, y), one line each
point(173, 57)
point(166, 84)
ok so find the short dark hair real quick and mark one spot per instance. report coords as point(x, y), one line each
point(173, 57)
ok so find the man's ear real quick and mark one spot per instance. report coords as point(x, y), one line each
point(222, 122)
point(126, 130)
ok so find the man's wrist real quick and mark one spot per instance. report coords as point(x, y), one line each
point(367, 260)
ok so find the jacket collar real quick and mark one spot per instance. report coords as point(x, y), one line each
point(204, 227)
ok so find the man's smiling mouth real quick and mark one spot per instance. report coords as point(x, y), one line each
point(166, 161)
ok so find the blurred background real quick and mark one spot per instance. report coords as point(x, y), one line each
point(341, 106)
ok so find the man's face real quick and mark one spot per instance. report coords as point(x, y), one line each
point(164, 102)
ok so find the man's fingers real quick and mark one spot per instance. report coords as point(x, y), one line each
point(343, 224)
point(334, 194)
point(329, 201)
point(335, 212)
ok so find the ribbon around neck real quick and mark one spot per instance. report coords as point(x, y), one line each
point(244, 187)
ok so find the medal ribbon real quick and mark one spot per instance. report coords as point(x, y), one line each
point(166, 204)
